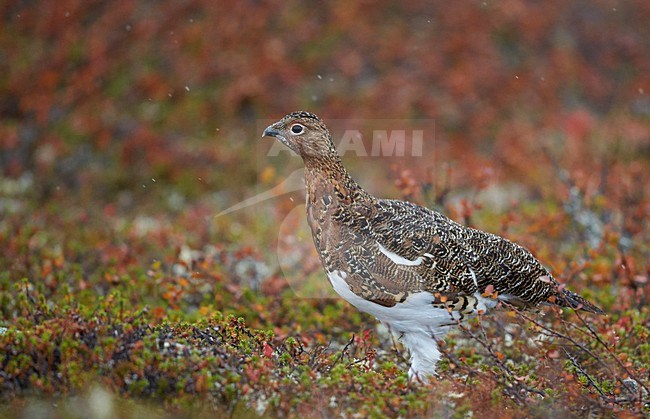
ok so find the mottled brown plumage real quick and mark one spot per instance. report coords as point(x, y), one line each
point(413, 268)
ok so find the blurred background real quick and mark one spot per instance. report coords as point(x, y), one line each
point(97, 98)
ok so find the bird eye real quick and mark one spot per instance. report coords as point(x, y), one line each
point(297, 129)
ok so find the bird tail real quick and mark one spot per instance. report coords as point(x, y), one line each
point(566, 298)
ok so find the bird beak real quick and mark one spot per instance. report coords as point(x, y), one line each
point(270, 132)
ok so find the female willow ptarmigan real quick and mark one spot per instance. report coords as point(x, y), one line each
point(412, 268)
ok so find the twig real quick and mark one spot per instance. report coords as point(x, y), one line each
point(616, 358)
point(584, 373)
point(612, 373)
point(343, 351)
point(509, 379)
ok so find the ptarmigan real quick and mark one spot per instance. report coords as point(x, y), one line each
point(412, 268)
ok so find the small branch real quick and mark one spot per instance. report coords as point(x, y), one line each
point(343, 351)
point(616, 358)
point(584, 373)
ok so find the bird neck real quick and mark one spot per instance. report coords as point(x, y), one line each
point(327, 175)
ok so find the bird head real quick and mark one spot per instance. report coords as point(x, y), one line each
point(304, 133)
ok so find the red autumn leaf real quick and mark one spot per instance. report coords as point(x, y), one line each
point(489, 290)
point(267, 350)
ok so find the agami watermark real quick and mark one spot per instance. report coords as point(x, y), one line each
point(372, 138)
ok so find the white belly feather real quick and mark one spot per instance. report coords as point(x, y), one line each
point(415, 320)
point(415, 314)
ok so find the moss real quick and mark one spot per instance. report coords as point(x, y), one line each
point(463, 411)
